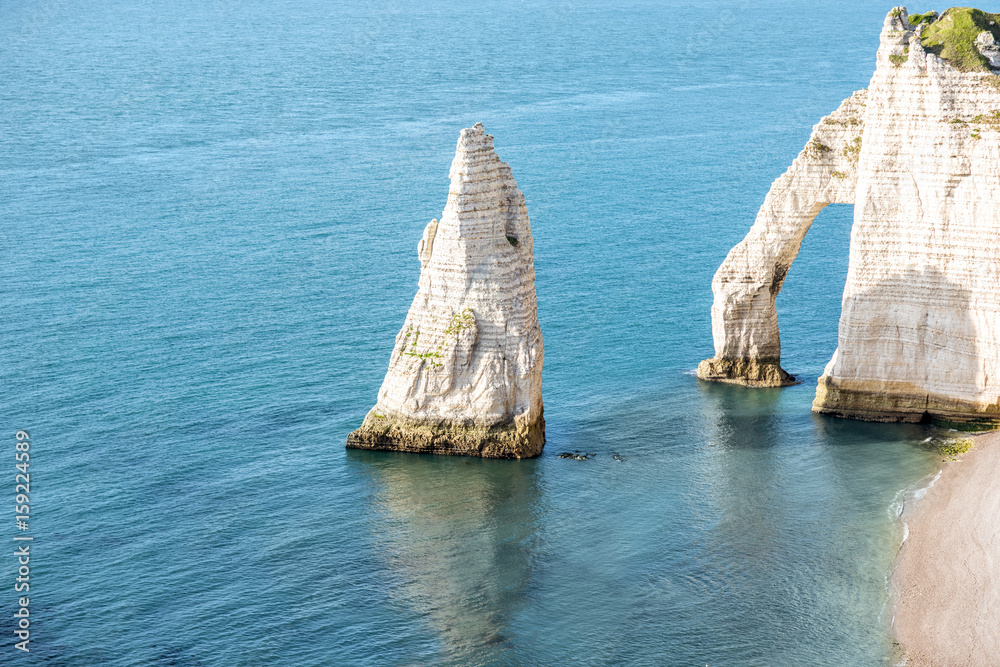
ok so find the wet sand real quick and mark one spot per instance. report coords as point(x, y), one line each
point(947, 573)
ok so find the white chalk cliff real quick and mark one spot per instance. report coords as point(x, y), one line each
point(465, 376)
point(918, 154)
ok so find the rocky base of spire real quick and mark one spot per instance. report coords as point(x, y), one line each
point(519, 440)
point(747, 372)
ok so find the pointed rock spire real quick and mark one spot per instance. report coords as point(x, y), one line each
point(465, 376)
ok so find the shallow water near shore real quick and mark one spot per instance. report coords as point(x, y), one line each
point(211, 217)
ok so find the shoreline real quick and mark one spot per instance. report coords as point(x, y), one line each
point(946, 576)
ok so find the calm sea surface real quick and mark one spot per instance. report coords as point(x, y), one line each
point(210, 213)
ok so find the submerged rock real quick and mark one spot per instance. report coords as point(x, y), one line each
point(465, 376)
point(918, 154)
point(576, 456)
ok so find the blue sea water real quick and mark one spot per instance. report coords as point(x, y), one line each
point(210, 213)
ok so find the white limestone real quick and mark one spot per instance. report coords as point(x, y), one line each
point(465, 376)
point(920, 325)
point(987, 45)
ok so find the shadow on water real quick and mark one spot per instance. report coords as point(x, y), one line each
point(459, 537)
point(839, 433)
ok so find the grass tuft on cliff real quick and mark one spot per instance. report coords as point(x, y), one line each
point(953, 35)
point(917, 19)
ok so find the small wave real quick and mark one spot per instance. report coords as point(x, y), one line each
point(690, 371)
point(911, 493)
point(908, 495)
point(922, 491)
point(896, 508)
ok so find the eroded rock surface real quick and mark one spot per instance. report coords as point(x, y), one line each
point(465, 376)
point(919, 330)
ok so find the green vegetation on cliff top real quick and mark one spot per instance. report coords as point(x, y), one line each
point(953, 35)
point(917, 19)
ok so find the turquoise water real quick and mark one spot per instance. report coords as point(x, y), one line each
point(210, 216)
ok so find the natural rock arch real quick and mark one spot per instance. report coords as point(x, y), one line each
point(744, 318)
point(919, 157)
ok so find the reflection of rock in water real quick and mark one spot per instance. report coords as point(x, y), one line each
point(459, 536)
point(743, 426)
point(739, 418)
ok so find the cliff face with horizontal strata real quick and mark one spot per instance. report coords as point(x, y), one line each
point(919, 157)
point(465, 376)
